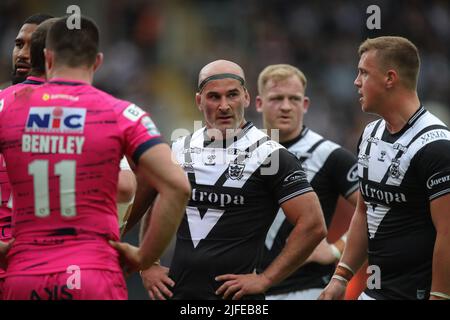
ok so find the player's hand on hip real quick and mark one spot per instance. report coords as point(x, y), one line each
point(130, 260)
point(335, 290)
point(157, 282)
point(236, 286)
point(4, 249)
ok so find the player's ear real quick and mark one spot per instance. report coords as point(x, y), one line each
point(258, 104)
point(198, 100)
point(98, 61)
point(305, 104)
point(48, 54)
point(391, 78)
point(246, 97)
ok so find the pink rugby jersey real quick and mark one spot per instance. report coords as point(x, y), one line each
point(5, 187)
point(63, 142)
point(6, 203)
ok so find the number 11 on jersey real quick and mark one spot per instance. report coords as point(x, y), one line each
point(66, 170)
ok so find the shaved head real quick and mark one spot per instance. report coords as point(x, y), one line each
point(220, 67)
point(222, 98)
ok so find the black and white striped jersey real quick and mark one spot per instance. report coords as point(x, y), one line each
point(331, 171)
point(400, 174)
point(238, 186)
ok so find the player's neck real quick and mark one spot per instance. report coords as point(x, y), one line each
point(37, 74)
point(400, 110)
point(72, 74)
point(286, 136)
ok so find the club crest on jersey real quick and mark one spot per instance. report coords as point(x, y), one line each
point(235, 171)
point(420, 294)
point(394, 170)
point(56, 119)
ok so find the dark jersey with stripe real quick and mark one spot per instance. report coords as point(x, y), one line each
point(400, 174)
point(237, 188)
point(331, 171)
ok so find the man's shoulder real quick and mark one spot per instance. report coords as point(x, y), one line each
point(97, 94)
point(11, 93)
point(371, 125)
point(13, 88)
point(371, 128)
point(313, 141)
point(429, 120)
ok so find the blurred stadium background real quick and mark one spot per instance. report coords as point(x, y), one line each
point(154, 50)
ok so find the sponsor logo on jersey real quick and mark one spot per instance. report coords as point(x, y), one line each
point(382, 155)
point(294, 177)
point(188, 167)
point(211, 160)
point(215, 198)
point(133, 112)
point(382, 195)
point(61, 96)
point(373, 140)
point(433, 135)
point(352, 175)
point(398, 146)
point(235, 171)
point(192, 150)
point(56, 120)
point(438, 178)
point(363, 160)
point(150, 126)
point(239, 152)
point(2, 102)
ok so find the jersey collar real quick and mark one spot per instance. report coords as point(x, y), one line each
point(210, 143)
point(67, 82)
point(289, 143)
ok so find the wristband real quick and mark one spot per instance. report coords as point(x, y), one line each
point(343, 272)
point(440, 295)
point(336, 253)
point(346, 266)
point(342, 279)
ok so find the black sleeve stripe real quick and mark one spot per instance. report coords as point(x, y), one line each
point(295, 194)
point(144, 147)
point(439, 194)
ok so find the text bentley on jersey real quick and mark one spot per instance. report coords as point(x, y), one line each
point(54, 120)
